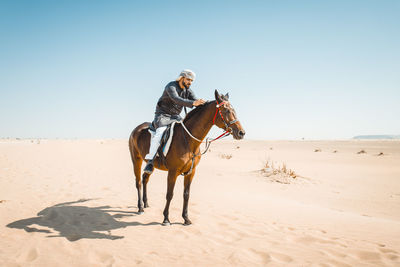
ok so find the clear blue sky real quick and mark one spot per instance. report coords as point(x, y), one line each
point(95, 69)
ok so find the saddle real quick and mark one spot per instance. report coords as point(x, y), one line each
point(165, 142)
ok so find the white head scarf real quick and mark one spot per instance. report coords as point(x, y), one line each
point(187, 74)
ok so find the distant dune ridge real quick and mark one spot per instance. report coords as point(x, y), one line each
point(383, 136)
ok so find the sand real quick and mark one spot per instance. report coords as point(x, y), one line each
point(73, 203)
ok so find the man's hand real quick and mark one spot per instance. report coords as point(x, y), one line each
point(198, 102)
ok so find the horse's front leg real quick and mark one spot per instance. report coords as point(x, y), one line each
point(186, 194)
point(172, 175)
point(145, 179)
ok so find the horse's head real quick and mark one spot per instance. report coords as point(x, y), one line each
point(226, 117)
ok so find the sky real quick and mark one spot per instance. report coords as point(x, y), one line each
point(293, 69)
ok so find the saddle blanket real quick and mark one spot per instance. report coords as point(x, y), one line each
point(166, 138)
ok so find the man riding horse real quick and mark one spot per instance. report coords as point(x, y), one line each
point(177, 94)
point(184, 152)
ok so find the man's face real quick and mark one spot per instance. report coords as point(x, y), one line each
point(187, 82)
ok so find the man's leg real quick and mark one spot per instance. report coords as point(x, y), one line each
point(154, 144)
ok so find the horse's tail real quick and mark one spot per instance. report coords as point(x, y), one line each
point(136, 140)
point(131, 144)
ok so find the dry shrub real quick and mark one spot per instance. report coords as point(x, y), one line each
point(267, 165)
point(334, 151)
point(226, 156)
point(380, 154)
point(281, 171)
point(317, 150)
point(361, 152)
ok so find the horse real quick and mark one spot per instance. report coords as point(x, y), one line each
point(184, 153)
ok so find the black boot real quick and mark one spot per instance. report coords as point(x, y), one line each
point(149, 167)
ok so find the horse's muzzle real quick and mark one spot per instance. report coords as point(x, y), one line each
point(238, 135)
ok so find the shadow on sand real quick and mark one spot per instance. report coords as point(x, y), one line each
point(76, 222)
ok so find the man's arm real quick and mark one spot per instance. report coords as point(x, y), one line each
point(197, 102)
point(191, 95)
point(171, 91)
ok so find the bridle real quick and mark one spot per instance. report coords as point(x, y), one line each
point(227, 124)
point(208, 142)
point(227, 129)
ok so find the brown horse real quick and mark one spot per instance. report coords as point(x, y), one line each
point(183, 155)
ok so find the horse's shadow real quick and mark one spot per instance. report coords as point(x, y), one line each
point(76, 222)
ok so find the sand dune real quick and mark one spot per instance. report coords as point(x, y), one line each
point(73, 203)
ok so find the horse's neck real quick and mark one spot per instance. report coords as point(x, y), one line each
point(200, 124)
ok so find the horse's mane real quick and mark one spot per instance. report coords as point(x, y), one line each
point(196, 110)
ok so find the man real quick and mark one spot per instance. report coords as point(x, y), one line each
point(177, 94)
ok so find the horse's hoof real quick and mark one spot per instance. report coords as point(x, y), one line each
point(146, 205)
point(166, 224)
point(140, 212)
point(187, 223)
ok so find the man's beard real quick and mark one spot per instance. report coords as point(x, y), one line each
point(186, 85)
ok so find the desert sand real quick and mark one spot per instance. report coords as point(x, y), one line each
point(74, 203)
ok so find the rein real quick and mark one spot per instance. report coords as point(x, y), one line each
point(184, 127)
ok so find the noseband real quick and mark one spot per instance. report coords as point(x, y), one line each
point(227, 124)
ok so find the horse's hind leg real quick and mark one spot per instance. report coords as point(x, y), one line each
point(137, 167)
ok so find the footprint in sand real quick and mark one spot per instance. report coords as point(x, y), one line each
point(265, 257)
point(389, 254)
point(367, 255)
point(102, 257)
point(387, 250)
point(391, 257)
point(281, 257)
point(106, 258)
point(32, 255)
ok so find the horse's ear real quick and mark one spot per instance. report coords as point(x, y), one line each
point(218, 96)
point(226, 96)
